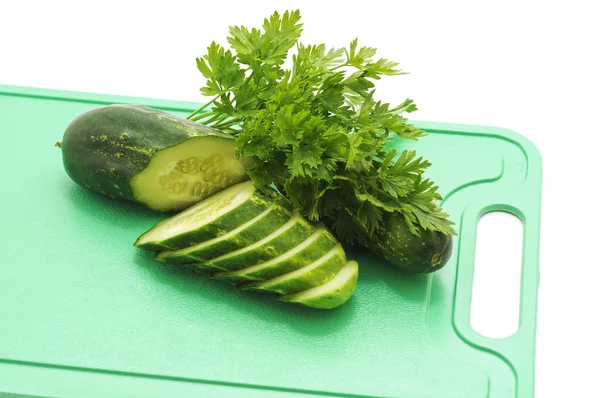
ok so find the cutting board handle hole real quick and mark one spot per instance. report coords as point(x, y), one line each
point(495, 301)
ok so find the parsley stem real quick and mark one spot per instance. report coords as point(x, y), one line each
point(202, 108)
point(339, 66)
point(203, 116)
point(219, 119)
point(250, 76)
point(215, 116)
point(225, 124)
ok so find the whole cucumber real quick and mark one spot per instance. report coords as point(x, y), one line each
point(426, 253)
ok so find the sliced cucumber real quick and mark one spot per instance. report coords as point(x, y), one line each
point(319, 243)
point(212, 217)
point(330, 294)
point(315, 274)
point(291, 234)
point(273, 218)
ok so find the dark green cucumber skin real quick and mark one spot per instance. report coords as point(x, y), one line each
point(255, 205)
point(253, 233)
point(274, 248)
point(106, 146)
point(426, 253)
point(316, 277)
point(305, 257)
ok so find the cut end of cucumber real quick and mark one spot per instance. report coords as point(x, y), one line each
point(184, 174)
point(330, 294)
point(198, 215)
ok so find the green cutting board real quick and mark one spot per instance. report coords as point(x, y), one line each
point(85, 314)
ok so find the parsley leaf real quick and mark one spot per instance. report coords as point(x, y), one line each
point(316, 131)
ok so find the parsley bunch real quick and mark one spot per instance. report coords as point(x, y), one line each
point(315, 130)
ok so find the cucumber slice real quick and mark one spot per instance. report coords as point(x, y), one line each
point(246, 234)
point(315, 274)
point(184, 174)
point(319, 243)
point(330, 294)
point(215, 215)
point(291, 234)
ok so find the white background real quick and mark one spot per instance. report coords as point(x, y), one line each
point(528, 66)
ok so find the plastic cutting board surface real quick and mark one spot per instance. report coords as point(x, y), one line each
point(85, 314)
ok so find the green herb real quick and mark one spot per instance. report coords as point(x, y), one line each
point(316, 131)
